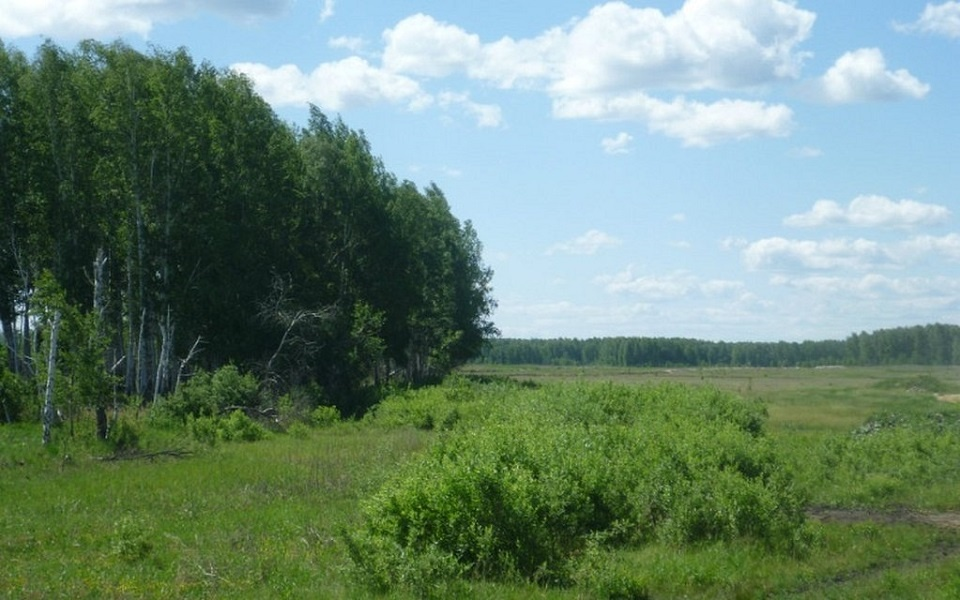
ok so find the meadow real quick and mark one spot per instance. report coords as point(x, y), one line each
point(511, 482)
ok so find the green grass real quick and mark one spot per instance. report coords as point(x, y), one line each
point(266, 519)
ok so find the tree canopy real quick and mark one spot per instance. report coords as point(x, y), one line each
point(188, 226)
point(935, 344)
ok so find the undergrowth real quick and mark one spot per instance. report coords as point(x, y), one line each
point(518, 492)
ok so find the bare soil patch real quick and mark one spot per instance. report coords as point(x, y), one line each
point(954, 398)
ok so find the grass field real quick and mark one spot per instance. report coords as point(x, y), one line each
point(876, 453)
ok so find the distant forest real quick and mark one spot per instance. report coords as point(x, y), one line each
point(936, 344)
point(157, 217)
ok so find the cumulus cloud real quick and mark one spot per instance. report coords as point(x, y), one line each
point(486, 115)
point(843, 253)
point(695, 123)
point(335, 86)
point(617, 145)
point(587, 244)
point(618, 59)
point(938, 19)
point(420, 45)
point(664, 287)
point(351, 44)
point(103, 18)
point(871, 211)
point(724, 45)
point(615, 63)
point(871, 285)
point(779, 252)
point(862, 76)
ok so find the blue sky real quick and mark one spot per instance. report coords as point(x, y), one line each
point(720, 169)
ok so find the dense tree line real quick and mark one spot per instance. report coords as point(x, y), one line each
point(936, 344)
point(170, 220)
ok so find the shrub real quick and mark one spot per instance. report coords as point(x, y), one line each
point(519, 495)
point(324, 416)
point(209, 394)
point(130, 540)
point(16, 396)
point(238, 426)
point(125, 435)
point(204, 429)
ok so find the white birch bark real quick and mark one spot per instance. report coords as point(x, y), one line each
point(49, 415)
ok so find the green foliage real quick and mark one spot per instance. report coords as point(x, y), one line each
point(204, 429)
point(925, 384)
point(17, 397)
point(605, 576)
point(131, 540)
point(235, 427)
point(209, 394)
point(243, 520)
point(158, 168)
point(889, 458)
point(125, 435)
point(935, 344)
point(324, 416)
point(239, 427)
point(518, 494)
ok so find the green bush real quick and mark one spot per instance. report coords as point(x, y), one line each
point(235, 427)
point(209, 394)
point(125, 435)
point(519, 495)
point(16, 396)
point(239, 427)
point(324, 416)
point(204, 429)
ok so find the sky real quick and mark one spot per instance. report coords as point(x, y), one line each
point(739, 170)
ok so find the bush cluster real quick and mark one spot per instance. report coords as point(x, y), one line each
point(210, 394)
point(517, 493)
point(236, 427)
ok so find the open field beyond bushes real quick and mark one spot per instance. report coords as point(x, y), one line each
point(511, 482)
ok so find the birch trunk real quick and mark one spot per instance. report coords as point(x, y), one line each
point(49, 415)
point(99, 310)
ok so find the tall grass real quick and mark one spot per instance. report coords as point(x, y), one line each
point(268, 518)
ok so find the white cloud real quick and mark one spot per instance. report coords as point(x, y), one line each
point(421, 45)
point(526, 63)
point(335, 86)
point(872, 286)
point(871, 211)
point(326, 11)
point(938, 19)
point(351, 44)
point(665, 287)
point(103, 18)
point(617, 145)
point(916, 248)
point(862, 76)
point(486, 115)
point(722, 45)
point(843, 253)
point(778, 252)
point(587, 244)
point(695, 123)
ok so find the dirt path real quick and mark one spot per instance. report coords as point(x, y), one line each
point(954, 398)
